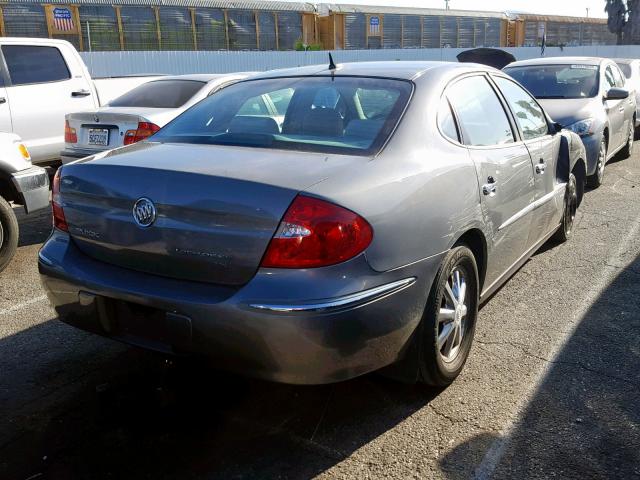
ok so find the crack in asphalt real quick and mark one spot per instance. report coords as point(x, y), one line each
point(523, 349)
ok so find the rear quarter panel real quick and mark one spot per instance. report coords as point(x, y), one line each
point(420, 194)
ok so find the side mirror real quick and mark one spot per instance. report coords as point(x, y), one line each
point(616, 94)
point(556, 127)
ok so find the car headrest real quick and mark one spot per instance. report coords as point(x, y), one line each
point(251, 124)
point(323, 122)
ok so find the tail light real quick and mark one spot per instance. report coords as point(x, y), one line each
point(315, 233)
point(59, 221)
point(144, 130)
point(70, 135)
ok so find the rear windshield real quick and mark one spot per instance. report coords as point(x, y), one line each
point(558, 81)
point(159, 94)
point(626, 69)
point(353, 115)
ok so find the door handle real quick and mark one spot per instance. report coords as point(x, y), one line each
point(81, 93)
point(3, 100)
point(489, 188)
point(541, 167)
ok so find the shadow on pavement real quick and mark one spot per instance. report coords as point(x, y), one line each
point(584, 419)
point(86, 407)
point(35, 228)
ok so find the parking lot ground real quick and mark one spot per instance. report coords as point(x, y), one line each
point(552, 386)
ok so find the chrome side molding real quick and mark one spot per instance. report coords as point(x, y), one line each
point(345, 301)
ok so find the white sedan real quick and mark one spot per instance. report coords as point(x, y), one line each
point(138, 113)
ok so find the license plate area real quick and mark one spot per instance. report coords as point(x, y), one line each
point(98, 136)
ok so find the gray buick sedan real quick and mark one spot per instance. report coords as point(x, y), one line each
point(315, 224)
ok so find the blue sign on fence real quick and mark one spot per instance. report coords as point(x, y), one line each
point(374, 26)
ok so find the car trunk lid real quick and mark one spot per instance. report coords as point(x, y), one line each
point(216, 207)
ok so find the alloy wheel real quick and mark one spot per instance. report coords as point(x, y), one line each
point(572, 205)
point(453, 315)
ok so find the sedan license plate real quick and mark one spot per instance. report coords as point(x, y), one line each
point(99, 136)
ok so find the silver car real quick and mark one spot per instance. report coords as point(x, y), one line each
point(630, 68)
point(588, 96)
point(361, 230)
point(137, 114)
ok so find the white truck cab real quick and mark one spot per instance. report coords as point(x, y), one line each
point(41, 80)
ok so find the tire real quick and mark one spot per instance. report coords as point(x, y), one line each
point(595, 180)
point(627, 151)
point(8, 233)
point(441, 362)
point(569, 214)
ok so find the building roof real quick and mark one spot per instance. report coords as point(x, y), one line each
point(268, 5)
point(376, 9)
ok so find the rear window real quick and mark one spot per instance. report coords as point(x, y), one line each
point(558, 81)
point(28, 64)
point(352, 115)
point(159, 94)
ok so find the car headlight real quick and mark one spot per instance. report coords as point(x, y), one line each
point(584, 128)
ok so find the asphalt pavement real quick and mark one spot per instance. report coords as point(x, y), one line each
point(551, 389)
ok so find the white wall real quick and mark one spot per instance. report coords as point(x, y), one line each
point(105, 64)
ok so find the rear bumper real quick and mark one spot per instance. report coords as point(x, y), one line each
point(70, 155)
point(293, 326)
point(32, 186)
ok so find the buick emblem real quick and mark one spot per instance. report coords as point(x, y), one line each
point(144, 212)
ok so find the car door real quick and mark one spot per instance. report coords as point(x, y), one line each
point(43, 88)
point(5, 109)
point(629, 103)
point(504, 169)
point(544, 149)
point(615, 111)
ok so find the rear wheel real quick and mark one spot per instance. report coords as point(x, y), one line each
point(448, 323)
point(627, 151)
point(596, 179)
point(570, 208)
point(8, 233)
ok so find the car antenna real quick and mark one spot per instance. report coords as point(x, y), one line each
point(332, 65)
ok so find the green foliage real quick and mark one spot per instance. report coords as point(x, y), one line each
point(301, 47)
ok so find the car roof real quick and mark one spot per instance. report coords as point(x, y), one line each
point(558, 61)
point(626, 60)
point(406, 70)
point(201, 77)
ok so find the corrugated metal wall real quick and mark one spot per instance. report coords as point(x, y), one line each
point(569, 34)
point(105, 64)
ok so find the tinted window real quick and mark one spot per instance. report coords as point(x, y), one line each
point(446, 122)
point(558, 81)
point(29, 64)
point(626, 69)
point(619, 77)
point(528, 113)
point(159, 94)
point(376, 103)
point(480, 113)
point(322, 115)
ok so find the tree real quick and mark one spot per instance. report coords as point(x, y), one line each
point(617, 22)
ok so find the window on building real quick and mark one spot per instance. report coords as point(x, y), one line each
point(99, 26)
point(267, 29)
point(139, 28)
point(175, 28)
point(242, 30)
point(392, 31)
point(28, 64)
point(24, 21)
point(210, 29)
point(289, 29)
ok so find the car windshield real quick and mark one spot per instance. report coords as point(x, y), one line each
point(558, 81)
point(159, 94)
point(626, 69)
point(353, 115)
